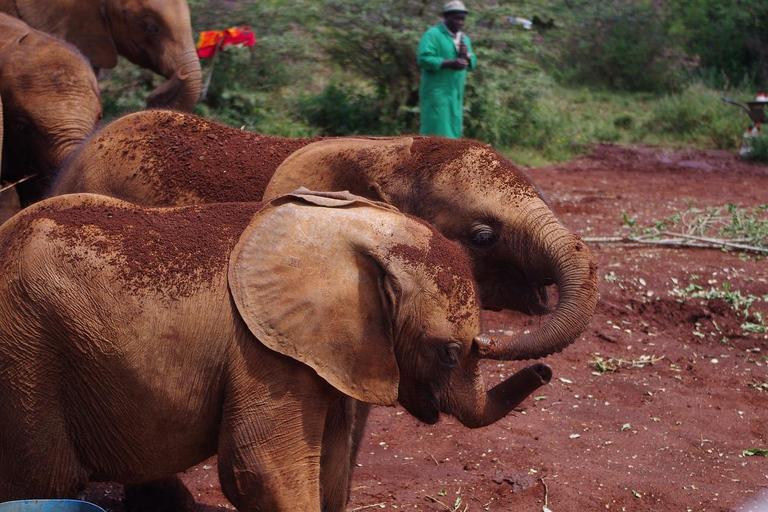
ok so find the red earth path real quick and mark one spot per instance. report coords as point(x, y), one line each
point(652, 408)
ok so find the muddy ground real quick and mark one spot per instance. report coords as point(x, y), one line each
point(661, 424)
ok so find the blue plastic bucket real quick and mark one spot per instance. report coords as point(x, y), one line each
point(49, 506)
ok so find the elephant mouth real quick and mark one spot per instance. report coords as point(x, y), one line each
point(533, 300)
point(539, 304)
point(423, 406)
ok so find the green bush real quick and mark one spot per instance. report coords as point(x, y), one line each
point(698, 115)
point(617, 44)
point(759, 152)
point(340, 110)
point(729, 37)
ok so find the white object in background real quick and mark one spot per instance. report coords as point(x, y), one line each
point(526, 24)
point(761, 97)
point(745, 147)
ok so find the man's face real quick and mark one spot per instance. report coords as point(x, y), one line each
point(455, 21)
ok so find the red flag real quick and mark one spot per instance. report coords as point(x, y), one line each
point(211, 40)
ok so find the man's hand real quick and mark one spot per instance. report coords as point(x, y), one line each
point(456, 63)
point(463, 50)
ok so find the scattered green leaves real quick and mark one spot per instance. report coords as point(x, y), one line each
point(610, 364)
point(728, 227)
point(755, 451)
point(740, 302)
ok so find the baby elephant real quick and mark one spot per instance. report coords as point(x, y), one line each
point(137, 342)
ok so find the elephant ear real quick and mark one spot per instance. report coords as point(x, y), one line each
point(82, 23)
point(354, 164)
point(306, 285)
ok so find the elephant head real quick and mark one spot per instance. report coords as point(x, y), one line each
point(154, 34)
point(472, 195)
point(380, 305)
point(50, 104)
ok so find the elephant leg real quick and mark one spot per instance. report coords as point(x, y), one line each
point(270, 441)
point(37, 457)
point(280, 473)
point(361, 412)
point(167, 495)
point(335, 464)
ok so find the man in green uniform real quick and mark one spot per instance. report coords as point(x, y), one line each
point(445, 55)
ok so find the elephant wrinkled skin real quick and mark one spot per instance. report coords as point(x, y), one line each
point(153, 34)
point(136, 342)
point(50, 105)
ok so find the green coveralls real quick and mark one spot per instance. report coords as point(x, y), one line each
point(441, 91)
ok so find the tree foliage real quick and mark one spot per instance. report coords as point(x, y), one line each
point(618, 44)
point(730, 38)
point(376, 41)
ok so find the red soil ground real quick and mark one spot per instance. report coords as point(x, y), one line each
point(666, 431)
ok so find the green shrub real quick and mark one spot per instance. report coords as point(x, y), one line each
point(617, 44)
point(759, 152)
point(340, 110)
point(729, 38)
point(698, 115)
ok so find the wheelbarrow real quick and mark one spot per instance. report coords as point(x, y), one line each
point(49, 506)
point(755, 109)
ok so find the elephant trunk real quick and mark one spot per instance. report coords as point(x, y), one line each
point(488, 407)
point(182, 90)
point(567, 261)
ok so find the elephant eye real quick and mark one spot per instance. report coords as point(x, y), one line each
point(483, 236)
point(448, 355)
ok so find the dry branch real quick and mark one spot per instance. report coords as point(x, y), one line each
point(679, 240)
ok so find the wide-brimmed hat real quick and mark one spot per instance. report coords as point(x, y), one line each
point(454, 6)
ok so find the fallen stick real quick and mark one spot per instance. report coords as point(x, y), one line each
point(674, 241)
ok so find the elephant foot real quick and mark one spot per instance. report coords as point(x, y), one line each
point(167, 495)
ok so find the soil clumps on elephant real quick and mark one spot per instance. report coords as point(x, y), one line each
point(432, 153)
point(655, 407)
point(194, 156)
point(444, 260)
point(162, 249)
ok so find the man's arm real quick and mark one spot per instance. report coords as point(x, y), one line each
point(429, 55)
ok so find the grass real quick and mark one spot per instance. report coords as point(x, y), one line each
point(569, 120)
point(566, 122)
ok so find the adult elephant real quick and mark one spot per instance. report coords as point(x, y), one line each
point(50, 105)
point(153, 34)
point(136, 342)
point(466, 189)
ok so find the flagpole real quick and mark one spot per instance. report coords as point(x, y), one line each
point(204, 92)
